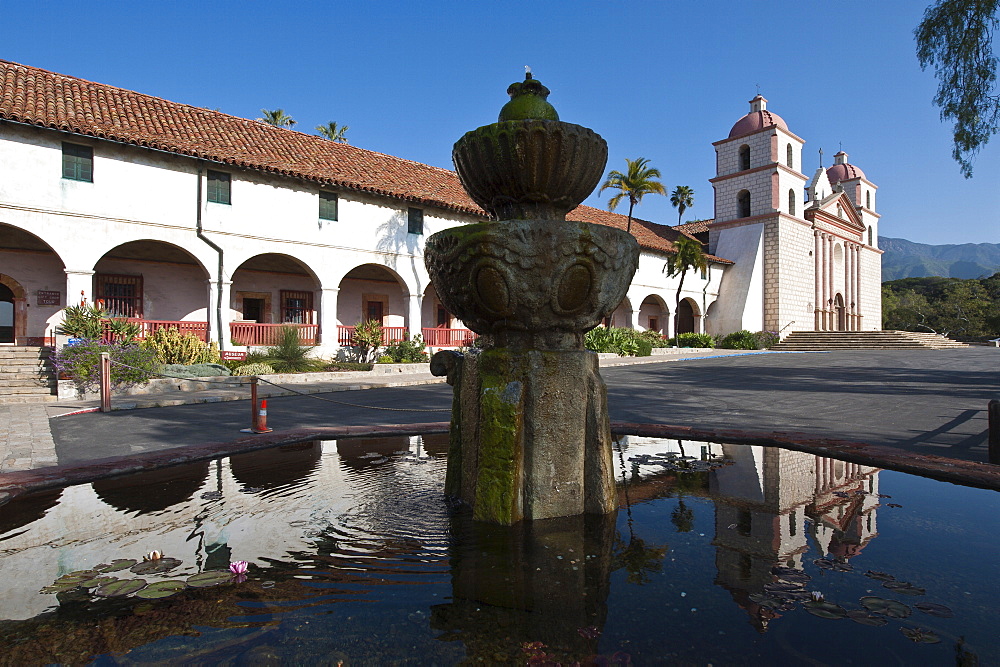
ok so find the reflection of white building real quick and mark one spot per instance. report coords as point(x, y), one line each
point(770, 501)
point(270, 504)
point(228, 227)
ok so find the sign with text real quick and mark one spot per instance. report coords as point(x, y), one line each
point(47, 298)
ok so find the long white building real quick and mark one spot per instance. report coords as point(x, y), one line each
point(228, 227)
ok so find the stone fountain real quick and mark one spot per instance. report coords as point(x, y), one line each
point(530, 435)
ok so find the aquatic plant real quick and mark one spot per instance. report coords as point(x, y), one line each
point(239, 567)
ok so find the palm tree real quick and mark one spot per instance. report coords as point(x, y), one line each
point(278, 118)
point(333, 132)
point(687, 255)
point(682, 198)
point(635, 184)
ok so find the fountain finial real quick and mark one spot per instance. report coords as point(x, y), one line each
point(528, 101)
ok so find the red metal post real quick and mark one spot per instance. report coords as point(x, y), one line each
point(105, 382)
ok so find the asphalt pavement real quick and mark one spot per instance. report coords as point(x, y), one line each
point(925, 401)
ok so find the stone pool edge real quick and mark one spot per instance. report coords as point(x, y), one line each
point(968, 473)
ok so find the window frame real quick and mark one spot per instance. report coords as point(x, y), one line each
point(78, 160)
point(415, 220)
point(741, 210)
point(791, 201)
point(789, 156)
point(215, 193)
point(331, 199)
point(306, 309)
point(118, 305)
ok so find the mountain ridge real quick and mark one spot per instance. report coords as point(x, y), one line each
point(908, 259)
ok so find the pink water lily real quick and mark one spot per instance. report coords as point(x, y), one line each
point(239, 567)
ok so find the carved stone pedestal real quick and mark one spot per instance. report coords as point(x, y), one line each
point(530, 435)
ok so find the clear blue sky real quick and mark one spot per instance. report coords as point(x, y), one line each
point(660, 80)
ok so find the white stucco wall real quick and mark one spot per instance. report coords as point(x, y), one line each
point(741, 292)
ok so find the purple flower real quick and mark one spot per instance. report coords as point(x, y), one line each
point(239, 567)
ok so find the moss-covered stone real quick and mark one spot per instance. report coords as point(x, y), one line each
point(500, 439)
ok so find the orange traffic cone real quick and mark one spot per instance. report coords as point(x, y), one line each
point(261, 425)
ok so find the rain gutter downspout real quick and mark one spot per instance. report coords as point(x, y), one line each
point(214, 246)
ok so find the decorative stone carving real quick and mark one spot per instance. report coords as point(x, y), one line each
point(530, 437)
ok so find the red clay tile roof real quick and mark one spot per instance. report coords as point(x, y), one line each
point(693, 227)
point(38, 97)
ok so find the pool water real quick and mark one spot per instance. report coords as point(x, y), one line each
point(715, 556)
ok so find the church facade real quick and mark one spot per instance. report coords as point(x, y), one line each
point(172, 215)
point(804, 249)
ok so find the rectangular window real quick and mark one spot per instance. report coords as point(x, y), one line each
point(78, 162)
point(296, 307)
point(121, 295)
point(219, 187)
point(327, 205)
point(415, 220)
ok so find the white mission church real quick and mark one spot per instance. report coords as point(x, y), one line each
point(228, 227)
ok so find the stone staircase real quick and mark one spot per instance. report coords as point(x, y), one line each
point(26, 375)
point(819, 341)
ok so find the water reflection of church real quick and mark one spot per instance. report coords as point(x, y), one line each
point(771, 503)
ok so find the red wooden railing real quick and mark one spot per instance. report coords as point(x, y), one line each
point(252, 333)
point(442, 337)
point(345, 335)
point(147, 327)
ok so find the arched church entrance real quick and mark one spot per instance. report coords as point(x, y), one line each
point(13, 305)
point(838, 307)
point(685, 317)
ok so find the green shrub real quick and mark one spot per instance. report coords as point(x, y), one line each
point(256, 368)
point(368, 339)
point(290, 355)
point(83, 321)
point(767, 339)
point(173, 347)
point(693, 340)
point(617, 340)
point(384, 359)
point(655, 338)
point(194, 370)
point(82, 363)
point(408, 351)
point(739, 340)
point(347, 366)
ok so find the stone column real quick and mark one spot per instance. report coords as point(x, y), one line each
point(328, 331)
point(824, 241)
point(848, 288)
point(217, 326)
point(817, 280)
point(413, 323)
point(79, 286)
point(635, 320)
point(830, 313)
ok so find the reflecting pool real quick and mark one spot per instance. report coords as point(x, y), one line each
point(721, 554)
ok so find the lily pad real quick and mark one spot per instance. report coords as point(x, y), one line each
point(890, 608)
point(825, 609)
point(903, 588)
point(161, 589)
point(76, 577)
point(158, 566)
point(864, 618)
point(212, 578)
point(933, 609)
point(920, 635)
point(116, 565)
point(782, 586)
point(58, 588)
point(120, 587)
point(795, 577)
point(98, 581)
point(880, 576)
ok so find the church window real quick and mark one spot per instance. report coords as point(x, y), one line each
point(743, 203)
point(791, 202)
point(744, 157)
point(78, 162)
point(219, 187)
point(296, 307)
point(871, 236)
point(121, 295)
point(868, 199)
point(789, 159)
